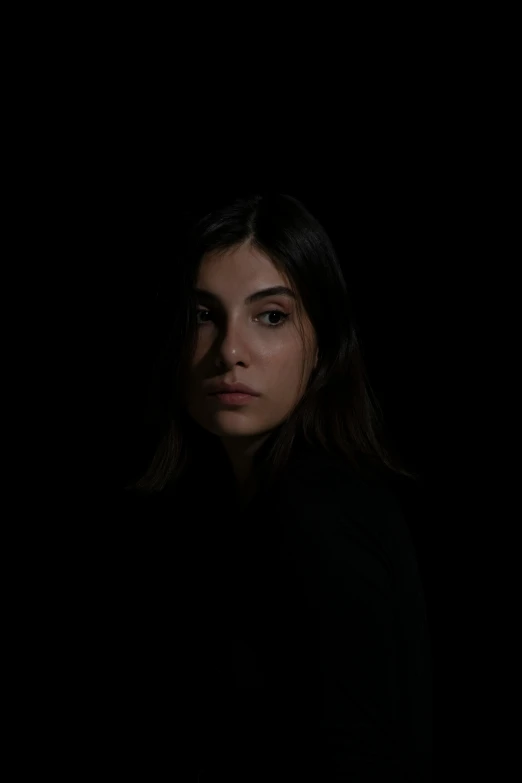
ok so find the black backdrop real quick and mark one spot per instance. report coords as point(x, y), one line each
point(424, 224)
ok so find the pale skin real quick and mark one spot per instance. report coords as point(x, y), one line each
point(241, 342)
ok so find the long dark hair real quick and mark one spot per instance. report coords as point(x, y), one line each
point(338, 413)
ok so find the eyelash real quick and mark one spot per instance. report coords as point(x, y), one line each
point(285, 316)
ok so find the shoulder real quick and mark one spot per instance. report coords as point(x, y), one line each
point(328, 482)
point(328, 510)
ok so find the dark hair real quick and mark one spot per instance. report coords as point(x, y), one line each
point(338, 412)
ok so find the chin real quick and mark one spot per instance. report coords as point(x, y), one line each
point(234, 432)
point(225, 429)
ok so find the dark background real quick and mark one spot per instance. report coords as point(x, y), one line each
point(409, 192)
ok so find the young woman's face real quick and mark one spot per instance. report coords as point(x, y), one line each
point(240, 341)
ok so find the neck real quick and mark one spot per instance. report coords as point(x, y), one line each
point(241, 455)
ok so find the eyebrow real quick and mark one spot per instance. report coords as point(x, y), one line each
point(277, 290)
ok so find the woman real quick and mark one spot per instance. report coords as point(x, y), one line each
point(313, 654)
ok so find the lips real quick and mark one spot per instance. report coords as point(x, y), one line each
point(235, 388)
point(233, 394)
point(236, 398)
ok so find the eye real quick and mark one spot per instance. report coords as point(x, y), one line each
point(198, 312)
point(282, 316)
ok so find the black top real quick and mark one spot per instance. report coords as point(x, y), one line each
point(289, 642)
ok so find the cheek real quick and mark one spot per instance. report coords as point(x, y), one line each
point(198, 354)
point(284, 372)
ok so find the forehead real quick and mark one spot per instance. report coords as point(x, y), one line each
point(238, 267)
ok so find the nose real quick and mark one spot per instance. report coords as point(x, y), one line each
point(232, 349)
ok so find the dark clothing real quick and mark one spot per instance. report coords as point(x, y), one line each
point(289, 642)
